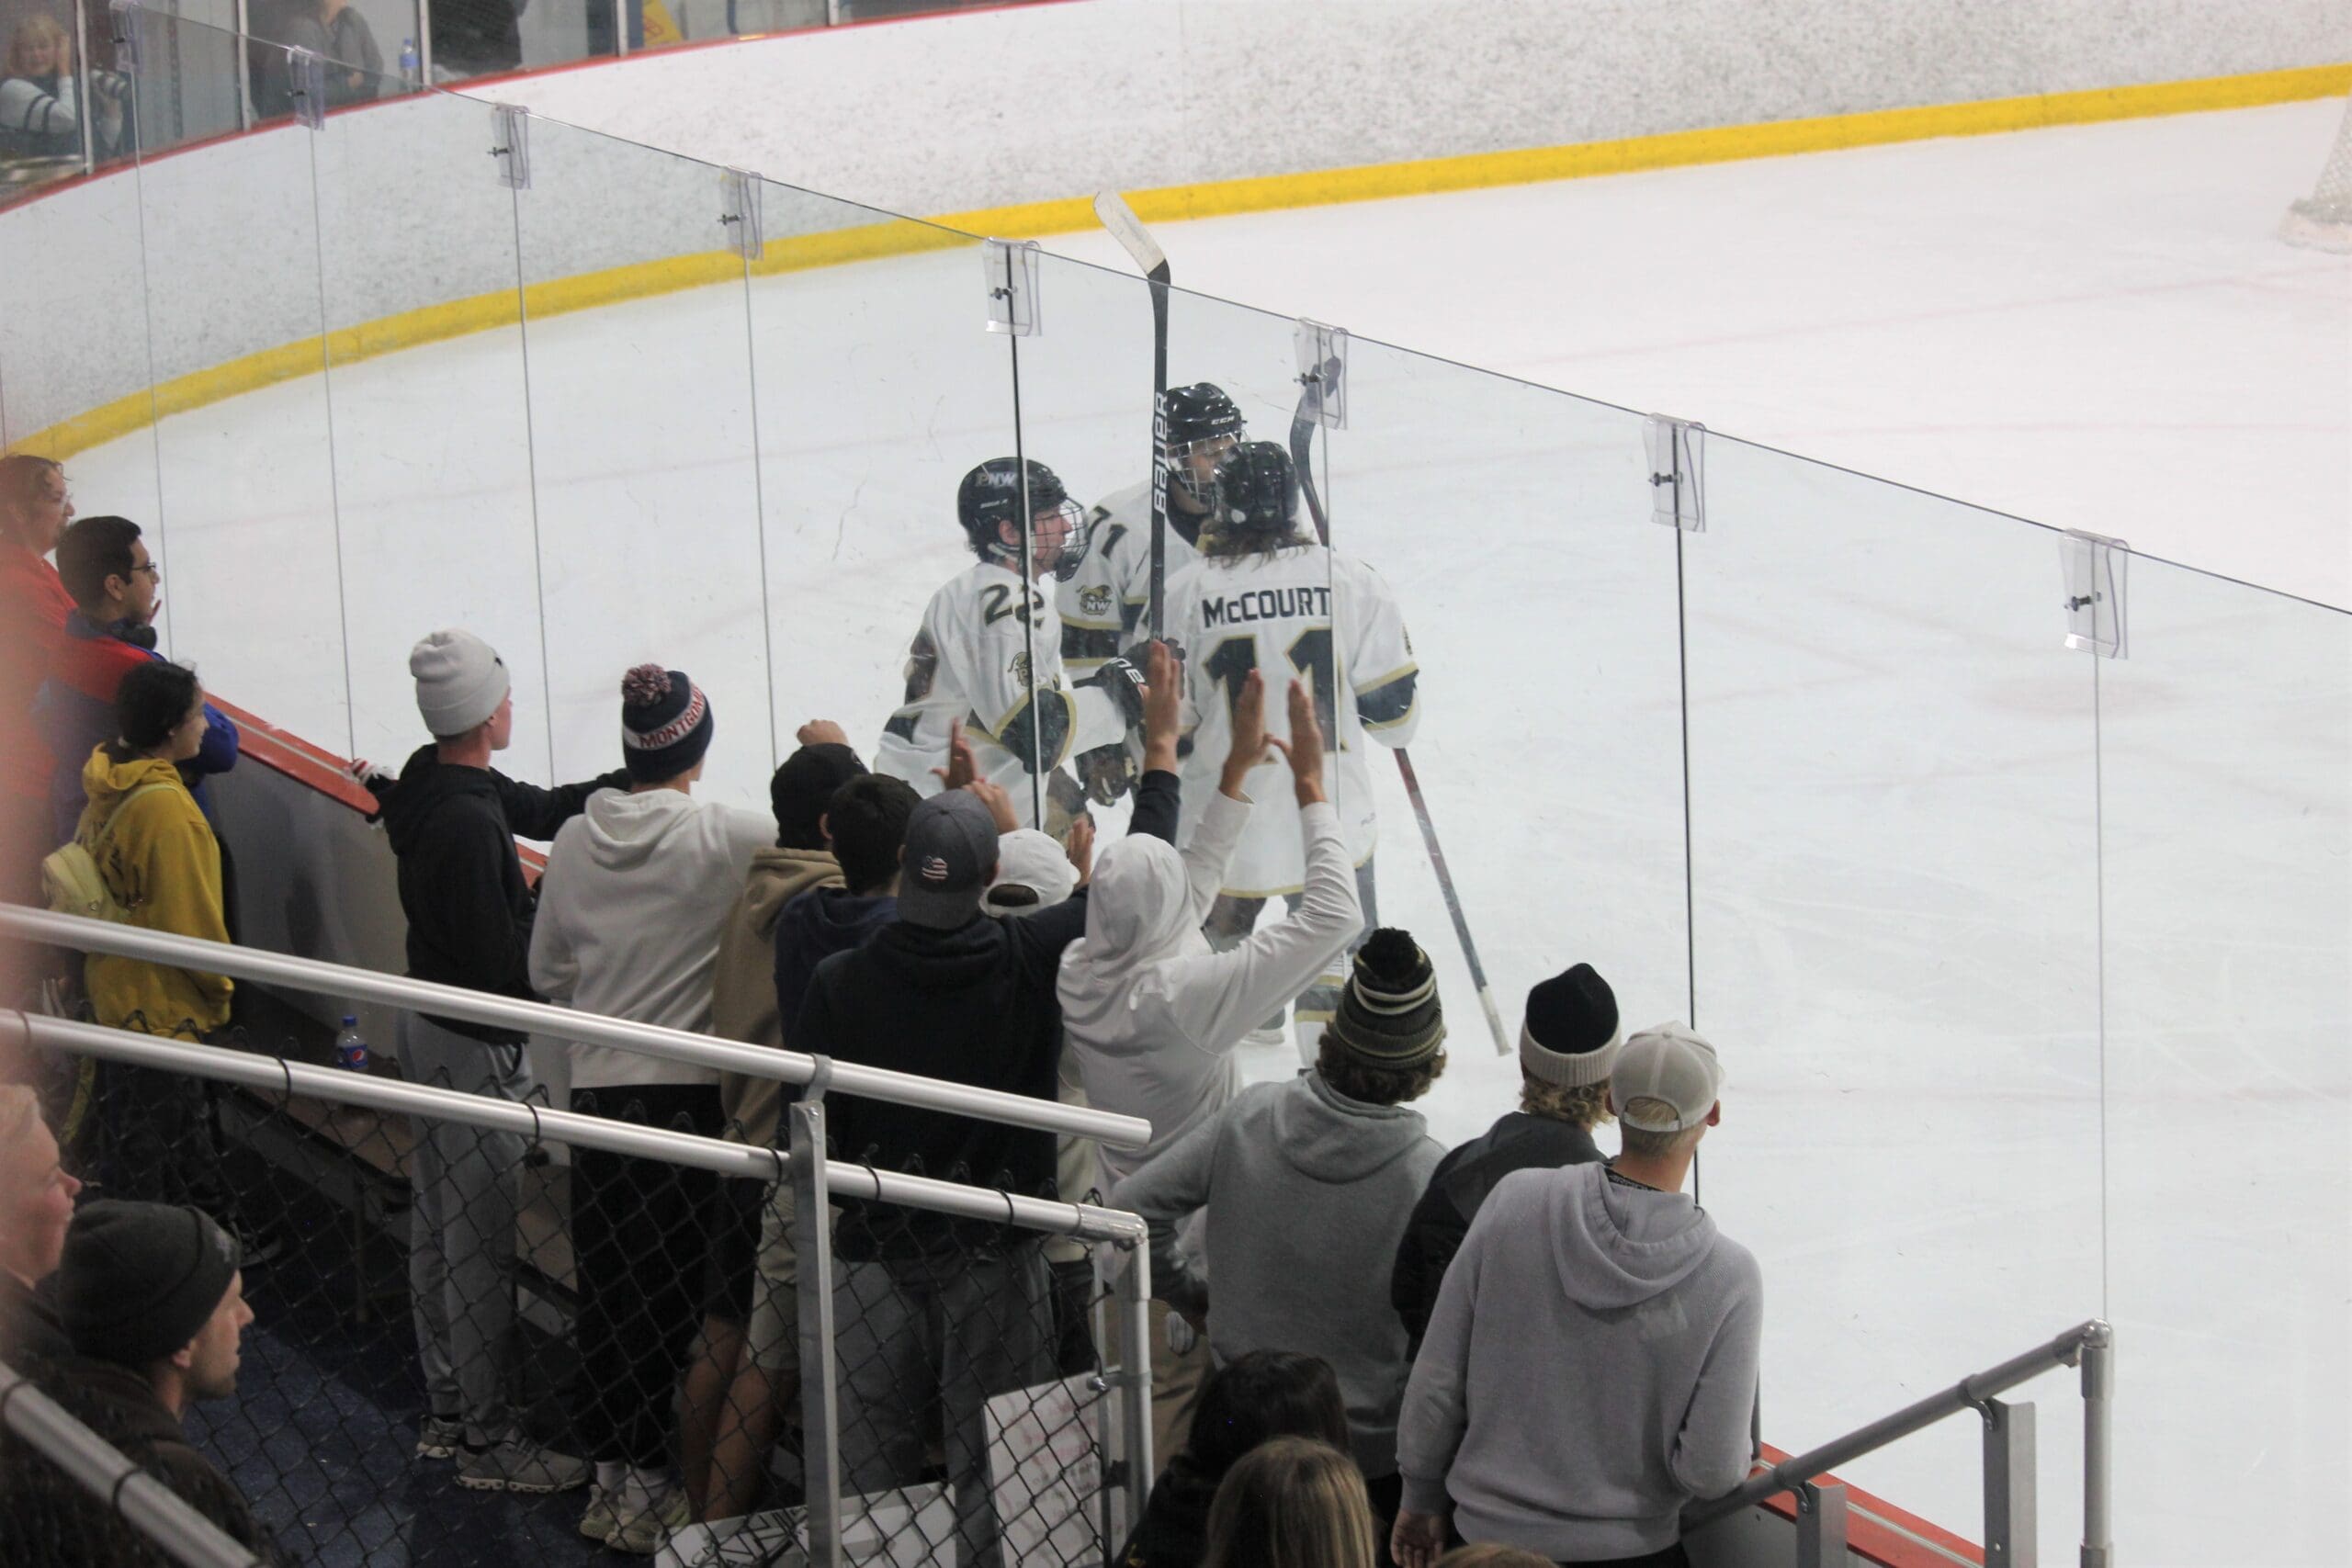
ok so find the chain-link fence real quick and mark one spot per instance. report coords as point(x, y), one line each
point(490, 1331)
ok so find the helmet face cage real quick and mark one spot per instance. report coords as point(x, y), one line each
point(1077, 527)
point(1202, 423)
point(1192, 464)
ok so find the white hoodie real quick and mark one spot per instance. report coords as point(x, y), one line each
point(1151, 1013)
point(637, 891)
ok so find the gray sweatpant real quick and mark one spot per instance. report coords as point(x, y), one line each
point(464, 1190)
point(927, 1342)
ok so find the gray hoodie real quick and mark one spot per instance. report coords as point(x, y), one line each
point(1591, 1368)
point(1308, 1193)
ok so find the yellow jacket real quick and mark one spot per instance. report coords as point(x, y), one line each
point(163, 864)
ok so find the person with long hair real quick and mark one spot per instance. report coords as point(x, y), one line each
point(1253, 1398)
point(1291, 1502)
point(40, 102)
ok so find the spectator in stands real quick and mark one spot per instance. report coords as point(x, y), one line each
point(1645, 1319)
point(1262, 1395)
point(40, 103)
point(477, 38)
point(154, 1304)
point(1034, 872)
point(743, 1007)
point(936, 1315)
point(110, 631)
point(34, 509)
point(1307, 1184)
point(1566, 1045)
point(1153, 1015)
point(36, 1205)
point(1291, 1503)
point(452, 820)
point(863, 825)
point(638, 887)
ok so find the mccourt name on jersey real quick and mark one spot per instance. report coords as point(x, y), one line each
point(1268, 605)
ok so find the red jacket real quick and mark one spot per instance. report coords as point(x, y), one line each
point(33, 607)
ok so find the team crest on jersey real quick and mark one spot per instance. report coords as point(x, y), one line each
point(1020, 667)
point(934, 869)
point(1095, 600)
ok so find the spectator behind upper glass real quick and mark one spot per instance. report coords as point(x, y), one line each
point(335, 30)
point(40, 102)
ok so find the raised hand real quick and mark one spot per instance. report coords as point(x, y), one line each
point(1163, 707)
point(1250, 746)
point(1081, 848)
point(1304, 749)
point(999, 804)
point(961, 767)
point(821, 732)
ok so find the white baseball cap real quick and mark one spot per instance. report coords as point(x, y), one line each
point(1668, 1061)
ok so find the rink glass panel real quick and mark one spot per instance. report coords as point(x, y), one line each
point(246, 506)
point(2225, 741)
point(433, 471)
point(878, 388)
point(637, 340)
point(1895, 950)
point(1512, 524)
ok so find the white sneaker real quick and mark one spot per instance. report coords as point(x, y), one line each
point(600, 1520)
point(1267, 1036)
point(641, 1534)
point(513, 1464)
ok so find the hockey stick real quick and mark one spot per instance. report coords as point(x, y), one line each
point(1314, 386)
point(1117, 216)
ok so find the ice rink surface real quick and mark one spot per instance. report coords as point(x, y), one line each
point(2029, 969)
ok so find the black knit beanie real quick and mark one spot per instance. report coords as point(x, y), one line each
point(1571, 1035)
point(139, 1279)
point(666, 723)
point(1389, 1015)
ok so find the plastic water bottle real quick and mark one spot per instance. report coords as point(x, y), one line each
point(350, 1050)
point(408, 61)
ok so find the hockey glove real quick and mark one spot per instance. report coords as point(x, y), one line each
point(1124, 683)
point(1108, 771)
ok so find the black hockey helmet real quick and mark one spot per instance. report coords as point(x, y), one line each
point(1196, 414)
point(1257, 489)
point(991, 497)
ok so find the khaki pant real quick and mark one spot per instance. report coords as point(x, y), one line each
point(1175, 1388)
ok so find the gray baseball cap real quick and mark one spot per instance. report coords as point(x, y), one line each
point(1668, 1061)
point(950, 852)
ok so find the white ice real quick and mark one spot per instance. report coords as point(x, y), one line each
point(1916, 821)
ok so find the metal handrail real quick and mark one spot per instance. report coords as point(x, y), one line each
point(589, 1029)
point(2089, 1345)
point(273, 1075)
point(153, 1510)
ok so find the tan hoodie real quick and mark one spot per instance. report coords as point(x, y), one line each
point(742, 992)
point(163, 867)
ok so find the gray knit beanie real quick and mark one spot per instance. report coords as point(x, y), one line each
point(138, 1280)
point(460, 680)
point(1389, 1015)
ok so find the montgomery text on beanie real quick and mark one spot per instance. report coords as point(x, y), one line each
point(460, 680)
point(138, 1280)
point(1388, 1014)
point(666, 723)
point(1571, 1035)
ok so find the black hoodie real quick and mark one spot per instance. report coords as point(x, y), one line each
point(972, 1006)
point(469, 910)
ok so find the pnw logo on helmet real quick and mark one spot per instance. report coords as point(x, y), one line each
point(1053, 536)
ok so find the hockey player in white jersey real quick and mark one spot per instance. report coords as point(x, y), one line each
point(1104, 605)
point(988, 655)
point(1265, 596)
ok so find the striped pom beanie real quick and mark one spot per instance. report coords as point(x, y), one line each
point(1389, 1015)
point(665, 723)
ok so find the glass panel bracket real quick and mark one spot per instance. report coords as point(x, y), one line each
point(307, 69)
point(127, 19)
point(1821, 1525)
point(510, 144)
point(1010, 268)
point(738, 189)
point(2093, 565)
point(1322, 373)
point(1677, 453)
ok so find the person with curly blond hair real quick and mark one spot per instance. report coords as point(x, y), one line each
point(1566, 1048)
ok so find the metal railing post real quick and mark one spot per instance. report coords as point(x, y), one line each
point(2098, 1390)
point(620, 27)
point(241, 20)
point(812, 1249)
point(1131, 1288)
point(1821, 1526)
point(2011, 1520)
point(424, 43)
point(86, 108)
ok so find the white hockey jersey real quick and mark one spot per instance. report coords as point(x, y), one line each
point(971, 660)
point(1104, 606)
point(1319, 617)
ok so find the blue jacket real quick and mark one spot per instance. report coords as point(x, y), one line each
point(74, 718)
